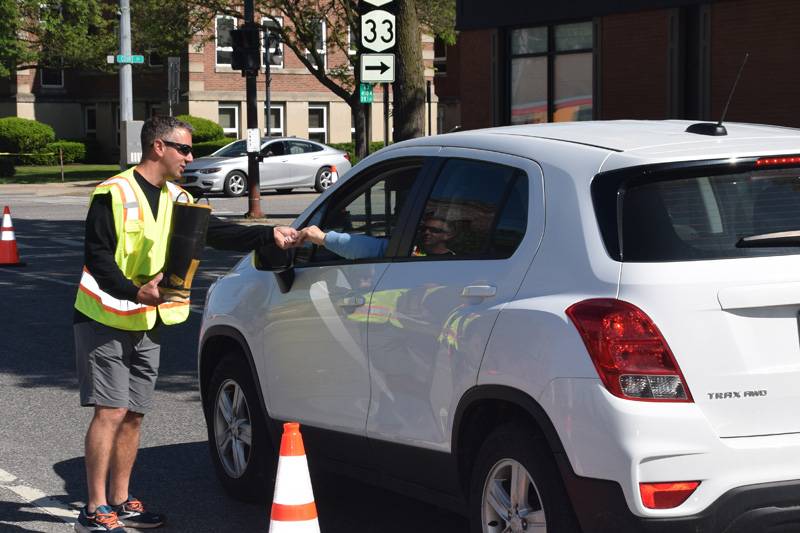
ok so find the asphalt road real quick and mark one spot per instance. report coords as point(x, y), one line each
point(42, 426)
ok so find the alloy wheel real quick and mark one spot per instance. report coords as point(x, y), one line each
point(511, 502)
point(236, 184)
point(232, 428)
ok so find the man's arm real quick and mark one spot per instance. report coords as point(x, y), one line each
point(99, 245)
point(224, 235)
point(349, 246)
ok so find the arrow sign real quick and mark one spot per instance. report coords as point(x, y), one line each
point(377, 68)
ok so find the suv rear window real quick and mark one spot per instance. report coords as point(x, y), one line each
point(703, 217)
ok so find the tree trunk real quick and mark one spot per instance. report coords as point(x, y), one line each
point(409, 85)
point(360, 116)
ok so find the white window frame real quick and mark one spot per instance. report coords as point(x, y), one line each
point(321, 51)
point(217, 47)
point(272, 50)
point(91, 133)
point(324, 128)
point(276, 132)
point(51, 85)
point(235, 107)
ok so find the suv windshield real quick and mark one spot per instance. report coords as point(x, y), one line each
point(235, 149)
point(704, 217)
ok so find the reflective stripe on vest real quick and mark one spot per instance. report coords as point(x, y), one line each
point(127, 205)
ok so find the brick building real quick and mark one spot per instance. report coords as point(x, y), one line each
point(639, 59)
point(86, 105)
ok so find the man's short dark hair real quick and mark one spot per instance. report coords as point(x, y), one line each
point(159, 127)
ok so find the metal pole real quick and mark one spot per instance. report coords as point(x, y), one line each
point(125, 73)
point(385, 114)
point(428, 94)
point(367, 129)
point(253, 178)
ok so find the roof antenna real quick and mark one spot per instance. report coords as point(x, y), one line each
point(709, 128)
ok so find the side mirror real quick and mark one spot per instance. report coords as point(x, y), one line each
point(281, 262)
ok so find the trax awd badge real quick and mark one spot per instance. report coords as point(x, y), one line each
point(736, 394)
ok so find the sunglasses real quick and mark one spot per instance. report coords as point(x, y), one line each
point(184, 149)
point(433, 229)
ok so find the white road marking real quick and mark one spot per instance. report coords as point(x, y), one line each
point(37, 276)
point(38, 498)
point(48, 256)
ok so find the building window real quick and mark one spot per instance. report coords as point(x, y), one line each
point(318, 122)
point(439, 58)
point(229, 118)
point(276, 120)
point(224, 42)
point(551, 73)
point(154, 110)
point(275, 53)
point(90, 121)
point(154, 59)
point(52, 78)
point(320, 44)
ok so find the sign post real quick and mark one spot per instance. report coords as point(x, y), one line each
point(378, 36)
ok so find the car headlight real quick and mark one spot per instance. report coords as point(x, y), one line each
point(209, 170)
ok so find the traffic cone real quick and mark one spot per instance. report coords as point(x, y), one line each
point(293, 507)
point(334, 174)
point(9, 256)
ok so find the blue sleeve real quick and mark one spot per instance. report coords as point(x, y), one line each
point(355, 246)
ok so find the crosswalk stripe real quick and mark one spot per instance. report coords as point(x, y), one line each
point(38, 498)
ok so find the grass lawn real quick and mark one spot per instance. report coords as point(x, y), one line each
point(76, 172)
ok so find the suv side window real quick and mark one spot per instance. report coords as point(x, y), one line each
point(370, 208)
point(476, 209)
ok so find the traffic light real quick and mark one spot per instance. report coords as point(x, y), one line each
point(246, 49)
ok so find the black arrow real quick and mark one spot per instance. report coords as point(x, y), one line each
point(383, 67)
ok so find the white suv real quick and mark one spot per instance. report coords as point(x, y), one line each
point(610, 342)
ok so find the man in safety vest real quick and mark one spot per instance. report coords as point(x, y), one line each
point(119, 313)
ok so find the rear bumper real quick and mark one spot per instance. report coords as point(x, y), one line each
point(766, 507)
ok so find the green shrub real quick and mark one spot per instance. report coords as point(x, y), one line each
point(204, 129)
point(20, 135)
point(7, 169)
point(74, 152)
point(350, 148)
point(209, 147)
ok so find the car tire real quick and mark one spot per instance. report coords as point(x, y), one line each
point(246, 471)
point(323, 179)
point(235, 184)
point(543, 503)
point(284, 191)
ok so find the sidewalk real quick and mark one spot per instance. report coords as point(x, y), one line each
point(68, 188)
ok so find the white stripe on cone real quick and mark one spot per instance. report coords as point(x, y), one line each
point(7, 234)
point(305, 526)
point(293, 483)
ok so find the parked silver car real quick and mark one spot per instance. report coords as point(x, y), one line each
point(287, 163)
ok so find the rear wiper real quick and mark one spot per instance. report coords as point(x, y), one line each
point(781, 238)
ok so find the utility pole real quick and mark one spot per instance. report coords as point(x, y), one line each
point(246, 57)
point(125, 73)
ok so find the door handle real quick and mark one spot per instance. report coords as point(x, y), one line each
point(478, 291)
point(352, 301)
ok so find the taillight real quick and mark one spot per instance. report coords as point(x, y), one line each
point(666, 495)
point(627, 349)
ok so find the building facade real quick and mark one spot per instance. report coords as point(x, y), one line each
point(638, 59)
point(85, 105)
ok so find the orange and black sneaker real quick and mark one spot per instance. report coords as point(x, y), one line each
point(133, 514)
point(102, 519)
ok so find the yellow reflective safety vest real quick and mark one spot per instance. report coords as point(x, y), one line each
point(140, 254)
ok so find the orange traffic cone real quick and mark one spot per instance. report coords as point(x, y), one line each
point(293, 507)
point(9, 256)
point(334, 174)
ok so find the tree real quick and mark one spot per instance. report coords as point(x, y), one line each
point(55, 34)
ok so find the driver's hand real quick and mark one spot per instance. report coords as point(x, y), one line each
point(285, 237)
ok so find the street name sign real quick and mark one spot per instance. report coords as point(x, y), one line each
point(366, 93)
point(377, 30)
point(377, 68)
point(130, 59)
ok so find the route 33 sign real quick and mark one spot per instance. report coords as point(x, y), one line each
point(377, 30)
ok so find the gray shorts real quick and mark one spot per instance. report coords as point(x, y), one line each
point(116, 368)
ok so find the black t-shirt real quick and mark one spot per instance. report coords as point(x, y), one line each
point(100, 242)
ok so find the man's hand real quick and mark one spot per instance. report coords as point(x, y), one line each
point(313, 234)
point(285, 237)
point(149, 294)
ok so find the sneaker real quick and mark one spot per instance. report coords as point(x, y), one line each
point(103, 519)
point(132, 514)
